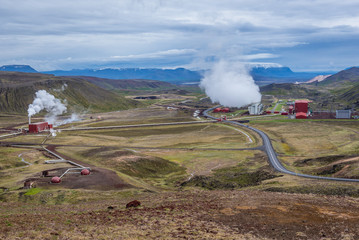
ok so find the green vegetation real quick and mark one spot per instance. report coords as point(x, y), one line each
point(289, 90)
point(18, 90)
point(33, 191)
point(338, 190)
point(230, 178)
point(133, 164)
point(9, 158)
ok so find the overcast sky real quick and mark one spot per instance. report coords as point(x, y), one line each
point(305, 35)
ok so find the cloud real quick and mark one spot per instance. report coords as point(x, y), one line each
point(160, 54)
point(43, 32)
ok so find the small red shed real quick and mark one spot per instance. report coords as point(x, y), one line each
point(217, 110)
point(291, 109)
point(225, 110)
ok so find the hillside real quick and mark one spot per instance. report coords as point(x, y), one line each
point(347, 77)
point(350, 97)
point(17, 92)
point(288, 89)
point(112, 84)
point(318, 78)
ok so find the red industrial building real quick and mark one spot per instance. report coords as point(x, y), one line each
point(301, 109)
point(225, 110)
point(39, 127)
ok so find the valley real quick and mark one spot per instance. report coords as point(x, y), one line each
point(195, 178)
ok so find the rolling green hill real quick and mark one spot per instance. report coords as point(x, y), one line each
point(288, 89)
point(348, 77)
point(350, 97)
point(17, 91)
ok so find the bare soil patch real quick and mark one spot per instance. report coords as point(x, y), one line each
point(99, 179)
point(189, 215)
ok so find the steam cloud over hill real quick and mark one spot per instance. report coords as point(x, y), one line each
point(230, 85)
point(46, 101)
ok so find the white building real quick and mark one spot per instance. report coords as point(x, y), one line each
point(255, 109)
point(343, 114)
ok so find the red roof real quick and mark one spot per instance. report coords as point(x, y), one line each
point(302, 101)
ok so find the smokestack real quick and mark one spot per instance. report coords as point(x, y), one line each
point(29, 120)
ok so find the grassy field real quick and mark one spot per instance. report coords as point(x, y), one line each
point(179, 136)
point(309, 145)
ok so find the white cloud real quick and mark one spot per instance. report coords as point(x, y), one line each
point(160, 54)
point(46, 31)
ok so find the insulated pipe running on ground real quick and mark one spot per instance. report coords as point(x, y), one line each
point(61, 158)
point(68, 171)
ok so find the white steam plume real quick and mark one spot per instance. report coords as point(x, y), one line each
point(230, 85)
point(46, 101)
point(74, 118)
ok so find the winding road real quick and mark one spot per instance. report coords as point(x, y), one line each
point(272, 156)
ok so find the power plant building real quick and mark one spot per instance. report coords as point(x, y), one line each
point(301, 109)
point(39, 127)
point(255, 109)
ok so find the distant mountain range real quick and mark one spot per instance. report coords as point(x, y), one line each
point(269, 75)
point(178, 75)
point(261, 75)
point(18, 68)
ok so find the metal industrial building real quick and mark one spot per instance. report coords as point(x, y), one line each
point(255, 109)
point(343, 114)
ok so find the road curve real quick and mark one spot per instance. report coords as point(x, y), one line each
point(272, 156)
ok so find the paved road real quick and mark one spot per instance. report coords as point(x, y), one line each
point(272, 156)
point(275, 106)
